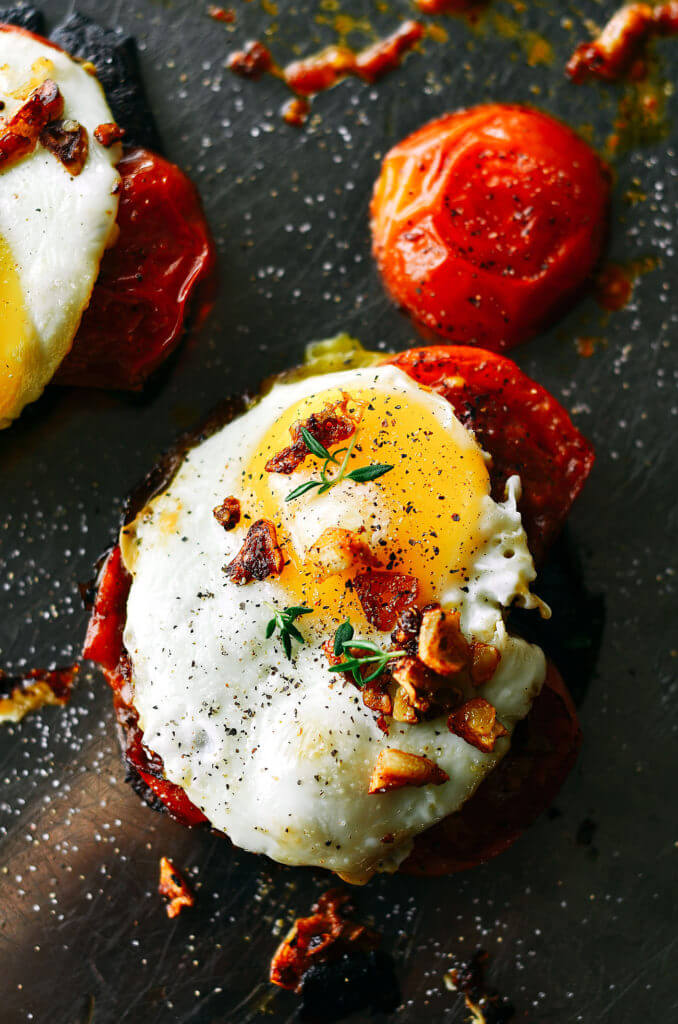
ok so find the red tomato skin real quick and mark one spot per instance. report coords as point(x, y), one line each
point(103, 641)
point(486, 222)
point(525, 430)
point(147, 279)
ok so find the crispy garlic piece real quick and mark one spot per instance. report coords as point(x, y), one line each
point(403, 708)
point(228, 513)
point(259, 557)
point(443, 648)
point(415, 687)
point(331, 426)
point(441, 644)
point(476, 722)
point(395, 769)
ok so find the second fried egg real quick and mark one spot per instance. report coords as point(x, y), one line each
point(54, 225)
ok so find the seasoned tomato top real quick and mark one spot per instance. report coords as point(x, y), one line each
point(485, 221)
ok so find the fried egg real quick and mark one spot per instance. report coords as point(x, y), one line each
point(54, 227)
point(278, 752)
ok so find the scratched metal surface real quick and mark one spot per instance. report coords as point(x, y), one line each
point(579, 921)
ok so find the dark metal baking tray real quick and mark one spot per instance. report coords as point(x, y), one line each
point(579, 916)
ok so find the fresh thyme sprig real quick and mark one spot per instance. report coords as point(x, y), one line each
point(361, 475)
point(345, 645)
point(284, 621)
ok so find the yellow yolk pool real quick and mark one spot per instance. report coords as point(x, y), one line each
point(420, 519)
point(13, 331)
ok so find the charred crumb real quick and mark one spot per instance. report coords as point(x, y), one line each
point(114, 56)
point(59, 680)
point(356, 981)
point(68, 141)
point(251, 62)
point(22, 694)
point(173, 888)
point(486, 1004)
point(108, 133)
point(333, 963)
point(228, 513)
point(585, 835)
point(226, 15)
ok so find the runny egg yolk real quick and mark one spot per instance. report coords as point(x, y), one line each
point(14, 357)
point(422, 518)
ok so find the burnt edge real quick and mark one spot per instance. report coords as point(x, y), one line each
point(116, 59)
point(23, 16)
point(167, 466)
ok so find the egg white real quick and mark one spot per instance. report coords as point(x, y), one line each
point(54, 228)
point(278, 753)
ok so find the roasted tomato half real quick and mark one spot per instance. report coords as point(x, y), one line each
point(487, 221)
point(147, 279)
point(525, 431)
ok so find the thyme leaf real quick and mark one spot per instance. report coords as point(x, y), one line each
point(360, 475)
point(355, 663)
point(284, 622)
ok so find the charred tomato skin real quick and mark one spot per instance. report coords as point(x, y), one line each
point(487, 221)
point(104, 645)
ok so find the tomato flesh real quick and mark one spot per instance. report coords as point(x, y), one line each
point(103, 641)
point(146, 281)
point(485, 222)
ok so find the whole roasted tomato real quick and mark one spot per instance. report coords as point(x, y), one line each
point(486, 222)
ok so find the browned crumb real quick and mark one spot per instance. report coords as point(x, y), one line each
point(173, 888)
